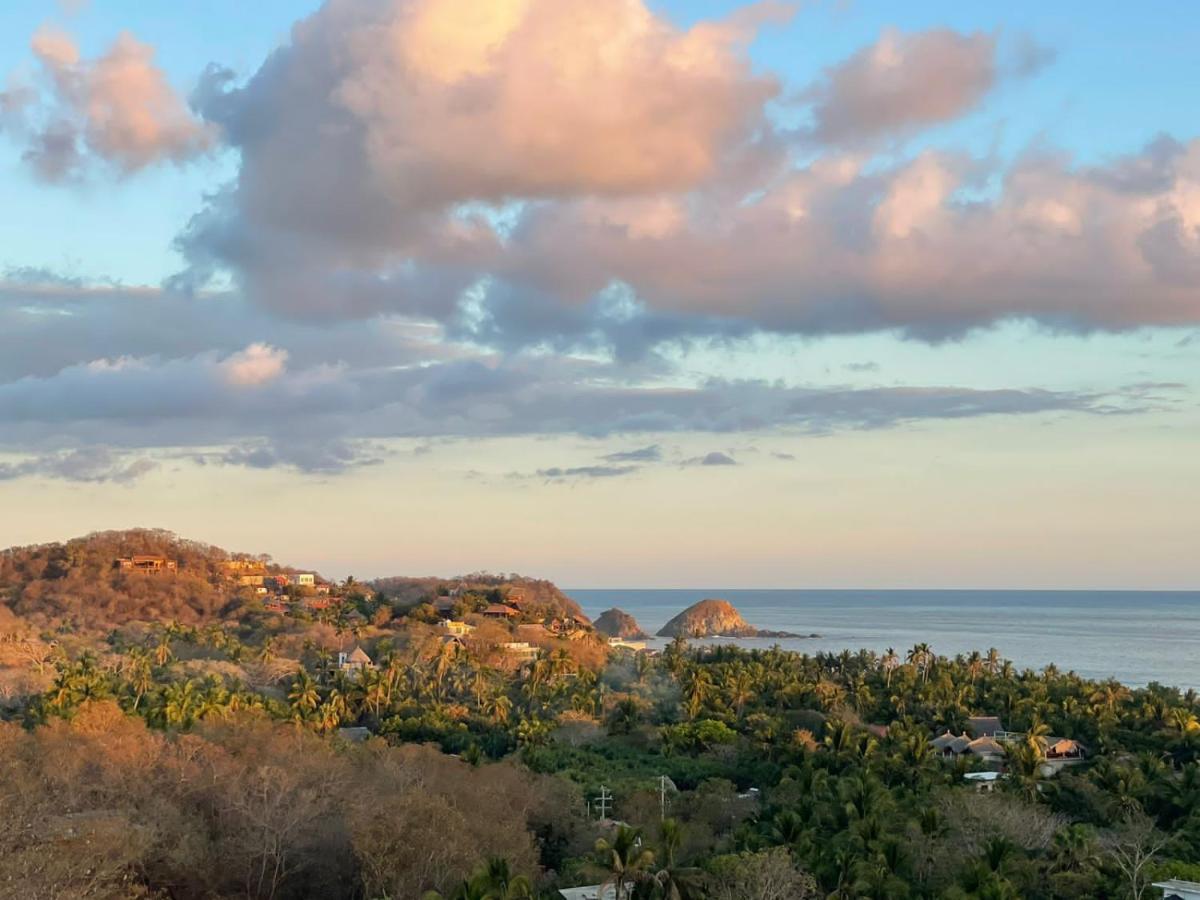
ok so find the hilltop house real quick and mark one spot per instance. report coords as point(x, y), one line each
point(306, 579)
point(500, 611)
point(146, 564)
point(355, 660)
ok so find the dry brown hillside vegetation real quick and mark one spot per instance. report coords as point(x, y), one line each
point(77, 582)
point(103, 807)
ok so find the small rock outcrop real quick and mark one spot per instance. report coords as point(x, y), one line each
point(616, 623)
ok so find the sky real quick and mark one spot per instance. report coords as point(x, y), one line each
point(622, 293)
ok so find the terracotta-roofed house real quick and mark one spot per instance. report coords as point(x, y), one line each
point(499, 611)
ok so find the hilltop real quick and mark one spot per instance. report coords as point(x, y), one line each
point(111, 578)
point(536, 598)
point(82, 581)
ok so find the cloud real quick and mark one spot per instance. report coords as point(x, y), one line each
point(715, 458)
point(652, 453)
point(905, 82)
point(312, 455)
point(839, 247)
point(117, 109)
point(360, 139)
point(258, 364)
point(636, 192)
point(88, 464)
point(556, 473)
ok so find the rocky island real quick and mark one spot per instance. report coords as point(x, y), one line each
point(616, 623)
point(715, 618)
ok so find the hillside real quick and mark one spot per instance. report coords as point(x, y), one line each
point(79, 581)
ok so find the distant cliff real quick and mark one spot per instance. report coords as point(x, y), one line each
point(619, 624)
point(714, 618)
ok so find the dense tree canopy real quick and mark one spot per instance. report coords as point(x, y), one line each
point(220, 757)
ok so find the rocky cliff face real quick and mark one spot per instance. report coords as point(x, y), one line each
point(619, 624)
point(709, 618)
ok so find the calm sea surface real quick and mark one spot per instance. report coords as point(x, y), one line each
point(1134, 636)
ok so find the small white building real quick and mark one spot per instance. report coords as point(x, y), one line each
point(1179, 890)
point(306, 579)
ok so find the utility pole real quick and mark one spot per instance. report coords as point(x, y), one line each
point(603, 802)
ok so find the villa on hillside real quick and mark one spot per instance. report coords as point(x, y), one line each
point(146, 564)
point(522, 650)
point(457, 628)
point(355, 660)
point(499, 611)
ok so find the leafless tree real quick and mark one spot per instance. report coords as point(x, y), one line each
point(1132, 847)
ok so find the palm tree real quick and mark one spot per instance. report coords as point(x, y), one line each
point(162, 652)
point(889, 661)
point(992, 662)
point(697, 691)
point(670, 835)
point(920, 656)
point(625, 859)
point(498, 708)
point(139, 674)
point(303, 695)
point(180, 703)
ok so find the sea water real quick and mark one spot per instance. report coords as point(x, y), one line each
point(1135, 637)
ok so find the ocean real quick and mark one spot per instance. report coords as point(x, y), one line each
point(1135, 637)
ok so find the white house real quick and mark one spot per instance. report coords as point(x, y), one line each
point(306, 579)
point(1179, 890)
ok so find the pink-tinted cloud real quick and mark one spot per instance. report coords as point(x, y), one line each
point(361, 139)
point(903, 82)
point(118, 109)
point(257, 365)
point(570, 173)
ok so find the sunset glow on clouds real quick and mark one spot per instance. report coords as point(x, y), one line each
point(419, 223)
